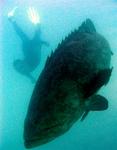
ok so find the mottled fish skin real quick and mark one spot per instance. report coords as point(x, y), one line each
point(58, 100)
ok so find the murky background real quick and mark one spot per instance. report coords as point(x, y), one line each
point(58, 18)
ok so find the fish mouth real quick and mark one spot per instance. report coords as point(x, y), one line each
point(36, 142)
point(46, 135)
point(33, 143)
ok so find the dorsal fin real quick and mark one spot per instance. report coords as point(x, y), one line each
point(49, 58)
point(87, 26)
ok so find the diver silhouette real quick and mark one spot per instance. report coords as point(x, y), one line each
point(31, 49)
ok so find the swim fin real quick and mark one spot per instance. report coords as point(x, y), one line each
point(33, 80)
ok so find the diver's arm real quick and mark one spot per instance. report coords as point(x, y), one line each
point(19, 31)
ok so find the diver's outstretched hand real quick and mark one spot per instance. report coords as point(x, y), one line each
point(33, 15)
point(11, 14)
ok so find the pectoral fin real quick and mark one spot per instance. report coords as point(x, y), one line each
point(95, 103)
point(98, 80)
point(98, 103)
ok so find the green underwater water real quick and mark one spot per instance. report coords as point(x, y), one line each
point(58, 18)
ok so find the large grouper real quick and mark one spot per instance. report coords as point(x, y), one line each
point(66, 90)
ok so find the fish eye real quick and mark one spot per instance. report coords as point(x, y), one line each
point(60, 94)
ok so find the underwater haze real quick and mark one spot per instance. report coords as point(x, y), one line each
point(57, 18)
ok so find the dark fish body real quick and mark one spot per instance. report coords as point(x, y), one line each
point(72, 76)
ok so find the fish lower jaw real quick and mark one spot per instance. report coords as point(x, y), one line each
point(47, 135)
point(37, 142)
point(33, 143)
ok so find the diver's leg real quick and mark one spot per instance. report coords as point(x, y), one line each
point(19, 31)
point(45, 43)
